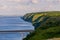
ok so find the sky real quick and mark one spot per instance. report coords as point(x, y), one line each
point(21, 7)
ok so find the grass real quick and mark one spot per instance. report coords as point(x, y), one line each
point(36, 16)
point(47, 25)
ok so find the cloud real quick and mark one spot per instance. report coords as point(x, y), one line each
point(35, 1)
point(54, 2)
point(20, 7)
point(14, 0)
point(23, 2)
point(3, 7)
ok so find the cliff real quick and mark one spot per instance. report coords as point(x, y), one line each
point(47, 25)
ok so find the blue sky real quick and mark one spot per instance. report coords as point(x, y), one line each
point(21, 7)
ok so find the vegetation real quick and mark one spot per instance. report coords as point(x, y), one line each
point(47, 25)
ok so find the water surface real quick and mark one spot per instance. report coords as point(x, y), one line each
point(11, 23)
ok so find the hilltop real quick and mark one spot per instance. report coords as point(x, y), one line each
point(47, 25)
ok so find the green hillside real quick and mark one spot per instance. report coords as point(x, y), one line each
point(47, 25)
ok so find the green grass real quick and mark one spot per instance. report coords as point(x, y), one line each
point(47, 25)
point(36, 16)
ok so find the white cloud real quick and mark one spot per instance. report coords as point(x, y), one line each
point(14, 0)
point(35, 1)
point(20, 7)
point(3, 7)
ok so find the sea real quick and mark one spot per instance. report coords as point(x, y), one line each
point(12, 23)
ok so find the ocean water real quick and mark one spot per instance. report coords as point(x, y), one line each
point(13, 23)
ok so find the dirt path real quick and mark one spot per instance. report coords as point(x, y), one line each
point(54, 39)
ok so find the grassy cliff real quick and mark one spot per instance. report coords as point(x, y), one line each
point(47, 25)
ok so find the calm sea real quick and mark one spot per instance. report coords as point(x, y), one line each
point(13, 23)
